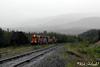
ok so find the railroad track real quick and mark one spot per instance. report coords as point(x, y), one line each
point(18, 60)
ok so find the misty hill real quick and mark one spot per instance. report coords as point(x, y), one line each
point(90, 22)
point(56, 20)
point(82, 25)
point(68, 24)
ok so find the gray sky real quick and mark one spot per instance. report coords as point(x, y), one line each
point(16, 12)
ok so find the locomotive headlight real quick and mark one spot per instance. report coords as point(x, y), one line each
point(34, 35)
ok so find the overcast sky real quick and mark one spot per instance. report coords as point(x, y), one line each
point(16, 12)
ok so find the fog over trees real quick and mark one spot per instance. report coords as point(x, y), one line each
point(73, 24)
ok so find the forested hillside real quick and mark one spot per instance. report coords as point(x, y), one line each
point(91, 36)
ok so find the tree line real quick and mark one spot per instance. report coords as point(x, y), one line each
point(18, 38)
point(13, 38)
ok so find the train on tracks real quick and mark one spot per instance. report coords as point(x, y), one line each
point(42, 39)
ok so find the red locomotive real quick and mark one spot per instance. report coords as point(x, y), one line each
point(42, 39)
point(34, 39)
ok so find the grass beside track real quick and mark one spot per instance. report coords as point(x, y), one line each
point(13, 51)
point(81, 52)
